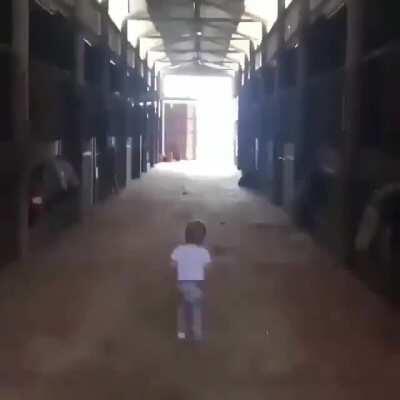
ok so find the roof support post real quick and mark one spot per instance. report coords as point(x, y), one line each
point(104, 188)
point(302, 57)
point(124, 59)
point(79, 48)
point(281, 42)
point(105, 75)
point(146, 71)
point(301, 79)
point(246, 71)
point(264, 43)
point(357, 14)
point(356, 33)
point(239, 78)
point(252, 60)
point(277, 173)
point(125, 104)
point(20, 102)
point(153, 78)
point(137, 58)
point(197, 23)
point(73, 144)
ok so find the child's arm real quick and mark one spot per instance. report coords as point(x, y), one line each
point(207, 260)
point(173, 261)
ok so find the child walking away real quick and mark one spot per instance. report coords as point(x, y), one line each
point(191, 261)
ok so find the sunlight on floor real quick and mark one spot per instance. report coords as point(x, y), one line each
point(202, 169)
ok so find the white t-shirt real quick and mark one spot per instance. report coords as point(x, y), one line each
point(191, 262)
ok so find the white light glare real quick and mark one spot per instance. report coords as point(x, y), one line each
point(87, 42)
point(215, 118)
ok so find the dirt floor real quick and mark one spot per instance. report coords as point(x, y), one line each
point(93, 316)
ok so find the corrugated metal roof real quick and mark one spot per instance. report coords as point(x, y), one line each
point(208, 32)
point(180, 32)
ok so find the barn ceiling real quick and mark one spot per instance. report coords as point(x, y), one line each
point(187, 33)
point(210, 33)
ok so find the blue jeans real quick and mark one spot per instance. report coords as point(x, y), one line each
point(190, 318)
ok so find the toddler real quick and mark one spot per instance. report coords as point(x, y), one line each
point(191, 260)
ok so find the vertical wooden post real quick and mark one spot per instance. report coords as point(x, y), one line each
point(79, 67)
point(245, 135)
point(301, 81)
point(105, 73)
point(356, 35)
point(145, 136)
point(238, 81)
point(153, 78)
point(146, 70)
point(137, 57)
point(246, 71)
point(277, 194)
point(159, 118)
point(126, 104)
point(159, 128)
point(163, 122)
point(105, 184)
point(356, 32)
point(20, 49)
point(281, 40)
point(153, 135)
point(264, 136)
point(124, 56)
point(254, 115)
point(264, 44)
point(74, 144)
point(252, 59)
point(302, 57)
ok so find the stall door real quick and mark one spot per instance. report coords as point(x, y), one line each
point(176, 130)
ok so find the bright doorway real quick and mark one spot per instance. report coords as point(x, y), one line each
point(216, 117)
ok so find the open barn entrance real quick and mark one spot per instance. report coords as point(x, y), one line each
point(199, 121)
